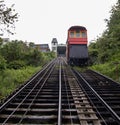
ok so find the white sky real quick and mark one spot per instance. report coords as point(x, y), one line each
point(42, 20)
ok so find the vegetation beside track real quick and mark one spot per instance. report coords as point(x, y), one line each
point(104, 52)
point(18, 62)
point(10, 79)
point(109, 69)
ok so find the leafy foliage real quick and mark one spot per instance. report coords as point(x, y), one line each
point(18, 54)
point(17, 64)
point(108, 44)
point(34, 58)
point(105, 52)
point(10, 79)
point(48, 56)
point(2, 63)
point(14, 50)
point(109, 69)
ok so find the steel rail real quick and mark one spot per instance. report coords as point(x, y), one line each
point(106, 77)
point(28, 94)
point(72, 70)
point(28, 109)
point(34, 77)
point(113, 113)
point(60, 96)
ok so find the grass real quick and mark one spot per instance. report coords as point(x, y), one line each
point(12, 79)
point(109, 69)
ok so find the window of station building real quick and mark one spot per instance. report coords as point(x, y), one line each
point(83, 34)
point(54, 48)
point(71, 34)
point(77, 33)
point(43, 46)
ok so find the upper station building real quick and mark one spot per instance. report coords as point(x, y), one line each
point(59, 49)
point(54, 45)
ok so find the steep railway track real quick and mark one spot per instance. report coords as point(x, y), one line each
point(58, 95)
point(34, 101)
point(104, 95)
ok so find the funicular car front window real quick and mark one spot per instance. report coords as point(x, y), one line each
point(83, 34)
point(77, 33)
point(72, 34)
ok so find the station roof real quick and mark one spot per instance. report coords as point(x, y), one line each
point(54, 40)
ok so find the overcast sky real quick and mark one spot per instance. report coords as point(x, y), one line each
point(42, 20)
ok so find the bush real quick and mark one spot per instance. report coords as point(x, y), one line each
point(109, 69)
point(48, 56)
point(93, 56)
point(17, 64)
point(11, 79)
point(2, 63)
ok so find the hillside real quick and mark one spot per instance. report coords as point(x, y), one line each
point(105, 51)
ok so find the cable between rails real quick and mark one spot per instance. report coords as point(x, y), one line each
point(59, 110)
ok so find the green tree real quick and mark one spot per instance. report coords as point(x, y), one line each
point(34, 57)
point(2, 63)
point(108, 44)
point(113, 24)
point(14, 50)
point(31, 44)
point(1, 42)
